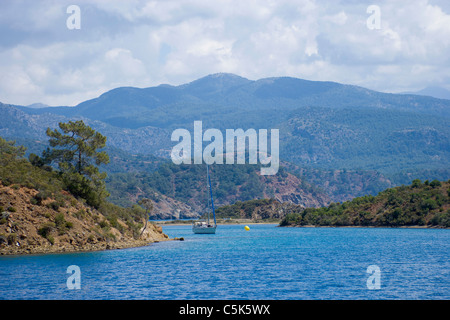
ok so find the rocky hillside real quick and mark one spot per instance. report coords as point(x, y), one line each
point(181, 191)
point(290, 188)
point(263, 209)
point(33, 223)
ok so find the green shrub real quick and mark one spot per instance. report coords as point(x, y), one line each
point(103, 224)
point(45, 230)
point(435, 183)
point(429, 204)
point(51, 239)
point(91, 238)
point(441, 219)
point(41, 196)
point(110, 236)
point(416, 183)
point(12, 238)
point(79, 214)
point(53, 205)
point(59, 220)
point(61, 224)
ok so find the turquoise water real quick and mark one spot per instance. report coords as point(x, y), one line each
point(266, 262)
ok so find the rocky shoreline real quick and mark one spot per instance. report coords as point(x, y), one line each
point(27, 227)
point(48, 249)
point(147, 238)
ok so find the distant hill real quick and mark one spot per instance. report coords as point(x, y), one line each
point(38, 105)
point(322, 124)
point(216, 95)
point(425, 204)
point(436, 92)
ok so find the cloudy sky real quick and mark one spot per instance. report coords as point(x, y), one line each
point(147, 43)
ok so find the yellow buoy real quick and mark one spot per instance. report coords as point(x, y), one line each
point(247, 228)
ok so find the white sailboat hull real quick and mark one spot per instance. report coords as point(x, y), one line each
point(204, 229)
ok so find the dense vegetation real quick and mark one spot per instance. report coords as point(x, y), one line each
point(17, 171)
point(387, 141)
point(187, 183)
point(420, 204)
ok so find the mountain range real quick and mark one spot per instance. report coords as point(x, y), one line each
point(436, 92)
point(337, 132)
point(322, 124)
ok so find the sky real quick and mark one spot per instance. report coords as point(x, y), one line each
point(55, 56)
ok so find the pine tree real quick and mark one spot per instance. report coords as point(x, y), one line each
point(75, 150)
point(148, 206)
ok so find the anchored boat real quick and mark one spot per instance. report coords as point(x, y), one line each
point(205, 227)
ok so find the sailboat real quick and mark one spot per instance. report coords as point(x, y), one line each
point(205, 227)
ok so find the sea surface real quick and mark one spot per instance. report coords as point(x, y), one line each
point(267, 262)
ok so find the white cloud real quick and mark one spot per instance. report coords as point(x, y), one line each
point(125, 65)
point(339, 18)
point(144, 43)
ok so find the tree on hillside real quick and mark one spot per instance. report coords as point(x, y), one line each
point(8, 150)
point(9, 155)
point(75, 149)
point(148, 206)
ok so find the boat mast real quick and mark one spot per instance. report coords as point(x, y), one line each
point(210, 191)
point(207, 196)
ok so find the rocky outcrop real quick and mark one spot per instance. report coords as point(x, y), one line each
point(258, 210)
point(30, 226)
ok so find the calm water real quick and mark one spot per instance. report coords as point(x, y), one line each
point(266, 262)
